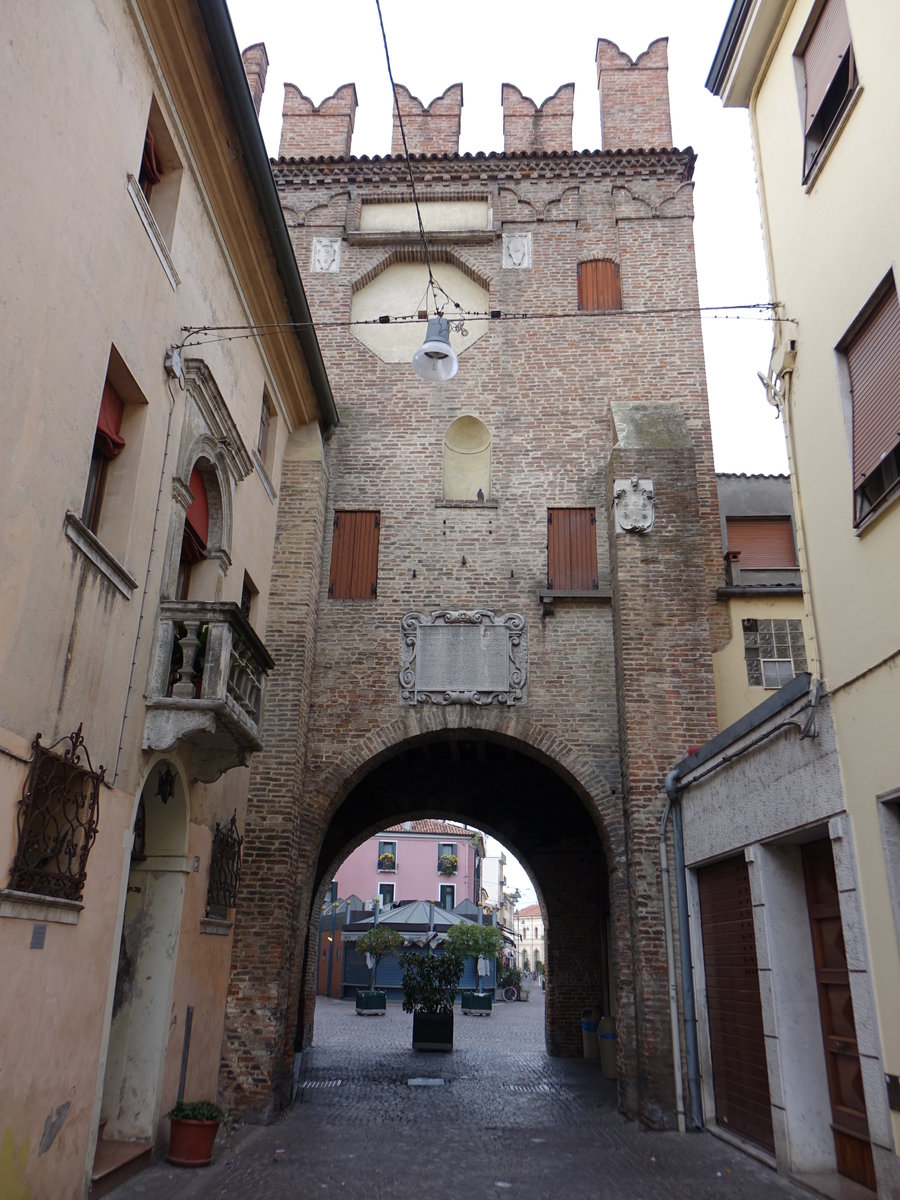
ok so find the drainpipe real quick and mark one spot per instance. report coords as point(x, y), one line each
point(670, 970)
point(673, 794)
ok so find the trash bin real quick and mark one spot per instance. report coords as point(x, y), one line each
point(606, 1041)
point(590, 1019)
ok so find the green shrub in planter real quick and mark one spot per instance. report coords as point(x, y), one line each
point(380, 941)
point(475, 941)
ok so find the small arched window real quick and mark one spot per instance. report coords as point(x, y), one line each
point(467, 460)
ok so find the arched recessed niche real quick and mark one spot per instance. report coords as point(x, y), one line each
point(467, 460)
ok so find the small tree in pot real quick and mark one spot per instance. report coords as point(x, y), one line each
point(378, 942)
point(195, 1124)
point(430, 982)
point(476, 941)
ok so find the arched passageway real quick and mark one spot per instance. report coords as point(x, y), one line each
point(495, 786)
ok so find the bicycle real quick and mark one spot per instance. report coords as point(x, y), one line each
point(510, 993)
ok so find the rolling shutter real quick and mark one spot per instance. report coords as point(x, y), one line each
point(737, 1041)
point(824, 53)
point(873, 359)
point(763, 542)
point(571, 548)
point(354, 556)
point(599, 288)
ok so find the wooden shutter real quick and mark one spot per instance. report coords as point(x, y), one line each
point(354, 556)
point(873, 359)
point(598, 285)
point(763, 542)
point(737, 1040)
point(571, 548)
point(824, 53)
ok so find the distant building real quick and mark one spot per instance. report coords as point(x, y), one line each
point(530, 937)
point(416, 860)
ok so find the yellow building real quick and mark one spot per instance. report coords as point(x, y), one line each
point(141, 474)
point(819, 80)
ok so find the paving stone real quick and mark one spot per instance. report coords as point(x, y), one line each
point(506, 1118)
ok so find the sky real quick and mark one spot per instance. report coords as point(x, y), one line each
point(483, 44)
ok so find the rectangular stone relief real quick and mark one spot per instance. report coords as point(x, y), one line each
point(452, 657)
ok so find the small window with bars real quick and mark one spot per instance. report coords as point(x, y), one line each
point(572, 549)
point(354, 556)
point(774, 651)
point(224, 869)
point(57, 820)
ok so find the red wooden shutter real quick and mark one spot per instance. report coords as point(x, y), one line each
point(198, 514)
point(873, 358)
point(109, 441)
point(736, 1034)
point(571, 548)
point(763, 542)
point(599, 289)
point(354, 556)
point(825, 50)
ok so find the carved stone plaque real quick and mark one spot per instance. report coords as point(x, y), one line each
point(451, 657)
point(326, 254)
point(634, 505)
point(516, 250)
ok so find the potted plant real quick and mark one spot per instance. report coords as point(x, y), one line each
point(378, 942)
point(476, 942)
point(387, 861)
point(447, 864)
point(430, 982)
point(195, 1124)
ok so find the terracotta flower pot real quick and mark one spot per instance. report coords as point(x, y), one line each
point(191, 1143)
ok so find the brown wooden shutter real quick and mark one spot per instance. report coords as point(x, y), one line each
point(825, 50)
point(354, 556)
point(599, 288)
point(873, 358)
point(763, 542)
point(736, 1034)
point(571, 548)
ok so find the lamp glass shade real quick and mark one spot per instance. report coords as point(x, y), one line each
point(435, 360)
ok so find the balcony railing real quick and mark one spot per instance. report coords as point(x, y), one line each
point(206, 685)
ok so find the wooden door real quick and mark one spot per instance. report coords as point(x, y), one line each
point(737, 1041)
point(848, 1105)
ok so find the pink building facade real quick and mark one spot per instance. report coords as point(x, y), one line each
point(418, 860)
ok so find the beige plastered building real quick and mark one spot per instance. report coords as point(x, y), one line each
point(137, 519)
point(819, 80)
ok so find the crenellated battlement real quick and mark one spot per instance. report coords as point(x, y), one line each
point(634, 113)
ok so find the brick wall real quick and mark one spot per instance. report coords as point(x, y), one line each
point(526, 127)
point(311, 131)
point(570, 779)
point(431, 130)
point(256, 66)
point(634, 97)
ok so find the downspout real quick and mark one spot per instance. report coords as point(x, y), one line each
point(673, 794)
point(670, 970)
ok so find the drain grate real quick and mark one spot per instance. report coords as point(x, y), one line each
point(544, 1089)
point(321, 1083)
point(426, 1081)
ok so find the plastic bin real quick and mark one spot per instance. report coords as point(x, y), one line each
point(590, 1021)
point(606, 1042)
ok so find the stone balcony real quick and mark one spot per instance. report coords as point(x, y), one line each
point(206, 687)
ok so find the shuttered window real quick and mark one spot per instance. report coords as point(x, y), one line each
point(599, 289)
point(354, 556)
point(873, 359)
point(764, 543)
point(571, 548)
point(829, 75)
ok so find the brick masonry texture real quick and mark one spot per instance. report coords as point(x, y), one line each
point(527, 127)
point(571, 778)
point(634, 97)
point(431, 130)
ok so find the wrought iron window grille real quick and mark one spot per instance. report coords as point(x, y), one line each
point(224, 869)
point(57, 821)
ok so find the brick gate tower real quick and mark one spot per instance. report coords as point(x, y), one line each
point(493, 598)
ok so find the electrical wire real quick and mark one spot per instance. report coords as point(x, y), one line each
point(764, 311)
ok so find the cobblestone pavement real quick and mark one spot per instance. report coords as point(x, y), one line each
point(504, 1120)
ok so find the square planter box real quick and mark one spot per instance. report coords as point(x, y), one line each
point(432, 1031)
point(477, 1004)
point(371, 1004)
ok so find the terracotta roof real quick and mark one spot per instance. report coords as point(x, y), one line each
point(530, 910)
point(428, 825)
